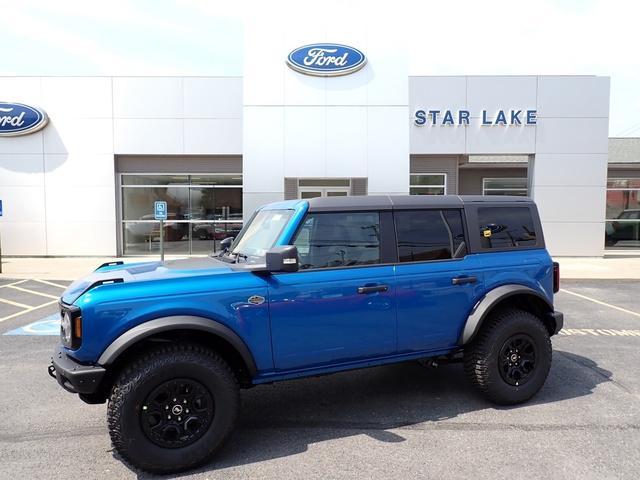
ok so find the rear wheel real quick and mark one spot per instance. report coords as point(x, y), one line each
point(173, 408)
point(509, 360)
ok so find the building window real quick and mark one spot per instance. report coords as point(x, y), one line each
point(428, 184)
point(202, 210)
point(324, 187)
point(504, 186)
point(622, 228)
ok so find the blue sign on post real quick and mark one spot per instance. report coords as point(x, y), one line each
point(160, 210)
point(0, 208)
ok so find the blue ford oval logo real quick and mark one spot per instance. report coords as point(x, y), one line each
point(20, 119)
point(326, 59)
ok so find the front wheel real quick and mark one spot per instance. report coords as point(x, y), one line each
point(173, 408)
point(509, 360)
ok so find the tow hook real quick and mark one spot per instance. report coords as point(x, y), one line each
point(52, 370)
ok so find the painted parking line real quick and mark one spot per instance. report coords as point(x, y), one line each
point(27, 310)
point(599, 332)
point(599, 302)
point(33, 292)
point(53, 284)
point(14, 283)
point(48, 326)
point(15, 304)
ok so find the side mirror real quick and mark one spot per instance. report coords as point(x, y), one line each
point(282, 259)
point(226, 243)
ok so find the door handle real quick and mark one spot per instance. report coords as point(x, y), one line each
point(373, 288)
point(463, 280)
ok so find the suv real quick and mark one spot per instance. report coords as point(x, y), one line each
point(309, 287)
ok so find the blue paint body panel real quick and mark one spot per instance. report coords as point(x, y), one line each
point(313, 321)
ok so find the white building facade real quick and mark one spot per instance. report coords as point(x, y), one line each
point(215, 148)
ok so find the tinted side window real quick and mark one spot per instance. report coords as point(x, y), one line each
point(429, 235)
point(502, 227)
point(339, 239)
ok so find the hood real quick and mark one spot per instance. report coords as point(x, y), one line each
point(144, 271)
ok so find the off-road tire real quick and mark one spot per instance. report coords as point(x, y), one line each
point(151, 369)
point(482, 362)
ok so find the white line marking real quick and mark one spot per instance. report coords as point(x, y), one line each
point(14, 283)
point(15, 304)
point(636, 314)
point(600, 332)
point(47, 282)
point(31, 309)
point(33, 292)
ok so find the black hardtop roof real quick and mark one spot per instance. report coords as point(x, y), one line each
point(399, 202)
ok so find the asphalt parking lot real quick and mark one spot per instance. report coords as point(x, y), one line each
point(400, 421)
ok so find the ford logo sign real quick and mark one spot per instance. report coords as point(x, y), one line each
point(326, 59)
point(19, 119)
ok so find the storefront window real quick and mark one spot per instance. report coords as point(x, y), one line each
point(428, 184)
point(504, 186)
point(622, 228)
point(202, 211)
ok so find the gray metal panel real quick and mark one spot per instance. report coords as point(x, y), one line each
point(624, 150)
point(624, 171)
point(290, 188)
point(438, 164)
point(179, 164)
point(359, 186)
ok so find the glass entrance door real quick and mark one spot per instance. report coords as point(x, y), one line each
point(202, 211)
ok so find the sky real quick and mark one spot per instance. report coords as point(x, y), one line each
point(197, 37)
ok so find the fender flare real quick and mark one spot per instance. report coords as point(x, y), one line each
point(484, 306)
point(177, 322)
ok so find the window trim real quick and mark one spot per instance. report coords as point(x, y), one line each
point(485, 189)
point(443, 186)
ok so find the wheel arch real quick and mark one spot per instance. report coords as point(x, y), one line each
point(201, 330)
point(515, 296)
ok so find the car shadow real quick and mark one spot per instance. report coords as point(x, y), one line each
point(283, 419)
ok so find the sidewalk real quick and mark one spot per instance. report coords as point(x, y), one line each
point(71, 268)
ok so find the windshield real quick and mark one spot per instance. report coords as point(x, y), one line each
point(260, 234)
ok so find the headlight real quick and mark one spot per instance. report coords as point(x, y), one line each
point(70, 326)
point(65, 328)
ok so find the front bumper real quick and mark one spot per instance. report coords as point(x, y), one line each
point(558, 319)
point(73, 376)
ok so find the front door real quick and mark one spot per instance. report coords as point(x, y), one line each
point(340, 306)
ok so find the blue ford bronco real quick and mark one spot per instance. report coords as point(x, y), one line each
point(309, 287)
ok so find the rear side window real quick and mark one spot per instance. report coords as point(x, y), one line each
point(429, 235)
point(506, 227)
point(339, 239)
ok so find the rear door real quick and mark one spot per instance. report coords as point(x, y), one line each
point(437, 282)
point(340, 306)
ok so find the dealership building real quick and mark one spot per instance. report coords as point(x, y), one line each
point(215, 148)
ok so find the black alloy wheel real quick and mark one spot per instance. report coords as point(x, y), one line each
point(177, 413)
point(517, 359)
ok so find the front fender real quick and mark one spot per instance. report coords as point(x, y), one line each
point(490, 300)
point(181, 322)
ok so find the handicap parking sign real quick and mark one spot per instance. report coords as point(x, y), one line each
point(160, 210)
